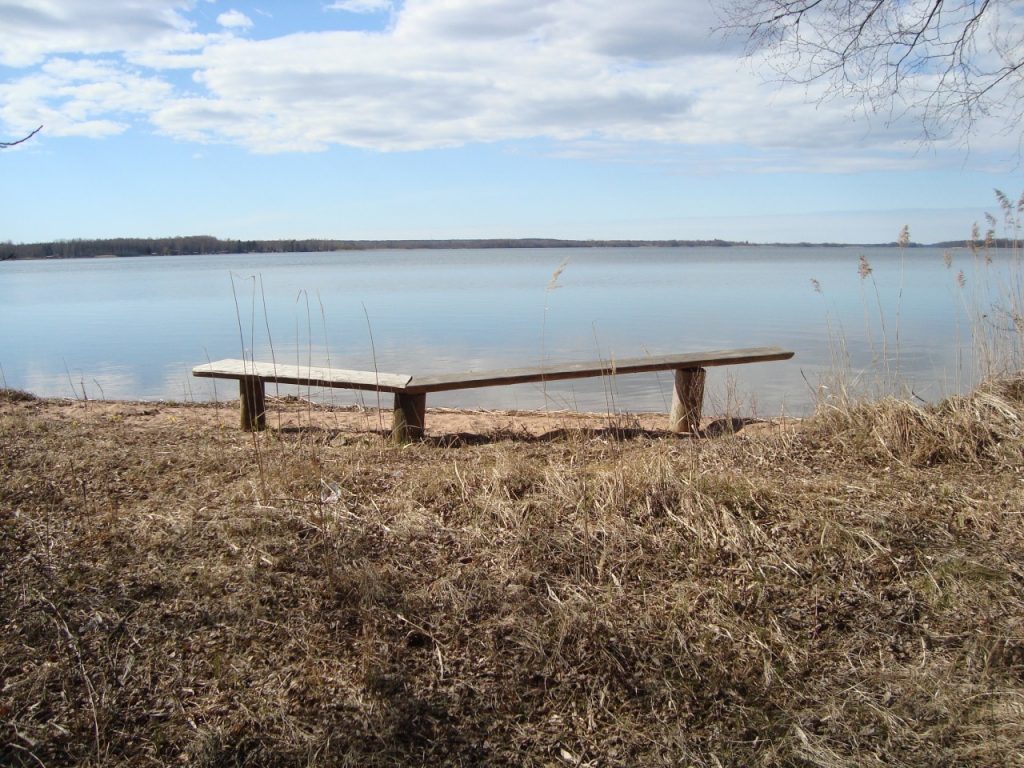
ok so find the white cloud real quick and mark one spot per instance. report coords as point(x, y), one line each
point(234, 19)
point(599, 74)
point(359, 6)
point(80, 98)
point(454, 72)
point(32, 30)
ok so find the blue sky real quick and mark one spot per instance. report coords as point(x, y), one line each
point(367, 119)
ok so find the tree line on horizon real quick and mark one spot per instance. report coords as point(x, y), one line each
point(203, 244)
point(198, 245)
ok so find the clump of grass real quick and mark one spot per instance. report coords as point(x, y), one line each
point(9, 395)
point(987, 424)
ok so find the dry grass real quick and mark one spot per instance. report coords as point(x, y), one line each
point(844, 594)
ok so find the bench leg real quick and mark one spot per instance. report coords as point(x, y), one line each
point(687, 400)
point(410, 417)
point(254, 406)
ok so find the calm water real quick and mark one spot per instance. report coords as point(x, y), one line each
point(133, 328)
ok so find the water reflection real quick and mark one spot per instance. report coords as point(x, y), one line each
point(133, 328)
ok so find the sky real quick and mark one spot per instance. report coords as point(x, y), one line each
point(382, 119)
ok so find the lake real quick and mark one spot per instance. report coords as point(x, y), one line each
point(133, 328)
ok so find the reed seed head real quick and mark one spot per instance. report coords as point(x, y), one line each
point(864, 268)
point(553, 283)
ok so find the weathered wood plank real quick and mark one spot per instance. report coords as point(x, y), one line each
point(252, 397)
point(563, 371)
point(303, 375)
point(687, 400)
point(410, 417)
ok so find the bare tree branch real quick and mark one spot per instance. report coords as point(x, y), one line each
point(6, 144)
point(950, 62)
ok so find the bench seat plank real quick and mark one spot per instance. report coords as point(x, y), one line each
point(562, 371)
point(304, 375)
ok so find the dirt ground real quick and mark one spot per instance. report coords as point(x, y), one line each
point(518, 589)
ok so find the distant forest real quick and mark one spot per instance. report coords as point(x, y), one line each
point(201, 244)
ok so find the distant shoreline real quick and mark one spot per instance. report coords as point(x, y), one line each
point(204, 245)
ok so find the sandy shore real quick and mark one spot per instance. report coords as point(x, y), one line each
point(442, 423)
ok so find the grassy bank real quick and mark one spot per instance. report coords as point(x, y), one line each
point(845, 592)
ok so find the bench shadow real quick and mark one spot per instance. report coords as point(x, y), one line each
point(456, 439)
point(729, 425)
point(716, 428)
point(331, 432)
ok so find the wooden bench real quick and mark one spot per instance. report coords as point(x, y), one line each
point(411, 391)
